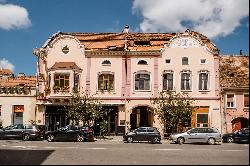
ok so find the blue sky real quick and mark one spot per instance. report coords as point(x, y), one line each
point(26, 24)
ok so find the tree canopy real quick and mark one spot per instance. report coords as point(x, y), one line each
point(174, 109)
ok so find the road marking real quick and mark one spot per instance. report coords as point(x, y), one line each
point(167, 149)
point(233, 150)
point(96, 148)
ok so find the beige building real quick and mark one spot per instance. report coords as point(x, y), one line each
point(17, 99)
point(125, 70)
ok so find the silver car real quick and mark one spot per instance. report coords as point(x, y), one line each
point(197, 135)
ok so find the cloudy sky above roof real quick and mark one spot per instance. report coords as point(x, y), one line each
point(25, 25)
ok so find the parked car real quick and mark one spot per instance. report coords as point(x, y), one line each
point(241, 136)
point(150, 134)
point(71, 133)
point(197, 135)
point(20, 131)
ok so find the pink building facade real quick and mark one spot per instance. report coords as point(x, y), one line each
point(234, 80)
point(124, 71)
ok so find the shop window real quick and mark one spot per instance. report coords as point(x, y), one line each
point(168, 81)
point(230, 101)
point(142, 81)
point(246, 100)
point(106, 82)
point(18, 114)
point(202, 120)
point(203, 81)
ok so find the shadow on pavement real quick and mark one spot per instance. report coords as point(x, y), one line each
point(23, 157)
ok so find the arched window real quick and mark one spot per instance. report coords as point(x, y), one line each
point(142, 81)
point(142, 62)
point(106, 63)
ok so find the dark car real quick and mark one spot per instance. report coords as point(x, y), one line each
point(150, 134)
point(239, 136)
point(20, 131)
point(71, 133)
point(242, 136)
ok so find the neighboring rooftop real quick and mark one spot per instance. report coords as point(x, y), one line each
point(5, 72)
point(234, 71)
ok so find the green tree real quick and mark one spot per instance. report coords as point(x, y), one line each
point(84, 108)
point(174, 109)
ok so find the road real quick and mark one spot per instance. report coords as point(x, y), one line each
point(107, 152)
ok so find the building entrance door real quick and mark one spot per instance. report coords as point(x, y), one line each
point(141, 116)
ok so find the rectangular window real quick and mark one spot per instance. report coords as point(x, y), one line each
point(61, 81)
point(246, 100)
point(142, 82)
point(230, 101)
point(168, 81)
point(203, 81)
point(106, 82)
point(202, 120)
point(203, 61)
point(185, 61)
point(185, 81)
point(168, 60)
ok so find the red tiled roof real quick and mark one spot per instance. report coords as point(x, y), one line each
point(234, 71)
point(65, 66)
point(5, 72)
point(102, 41)
point(21, 81)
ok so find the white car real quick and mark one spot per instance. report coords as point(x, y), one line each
point(197, 135)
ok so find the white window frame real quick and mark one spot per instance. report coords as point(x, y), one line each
point(208, 80)
point(244, 99)
point(190, 80)
point(234, 100)
point(167, 72)
point(150, 80)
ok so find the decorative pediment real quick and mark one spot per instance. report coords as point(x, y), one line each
point(184, 42)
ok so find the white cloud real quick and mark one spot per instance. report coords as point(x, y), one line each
point(213, 18)
point(13, 16)
point(5, 64)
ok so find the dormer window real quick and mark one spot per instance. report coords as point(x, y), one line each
point(106, 63)
point(65, 49)
point(142, 62)
point(142, 43)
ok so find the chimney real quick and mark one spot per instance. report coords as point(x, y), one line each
point(126, 29)
point(241, 52)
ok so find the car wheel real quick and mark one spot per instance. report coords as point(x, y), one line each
point(156, 140)
point(180, 140)
point(51, 138)
point(130, 139)
point(26, 137)
point(80, 138)
point(211, 141)
point(230, 140)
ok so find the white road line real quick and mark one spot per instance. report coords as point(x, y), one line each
point(233, 150)
point(167, 149)
point(96, 148)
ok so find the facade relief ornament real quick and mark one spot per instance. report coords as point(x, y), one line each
point(184, 42)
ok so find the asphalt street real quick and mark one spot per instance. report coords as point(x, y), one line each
point(115, 152)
